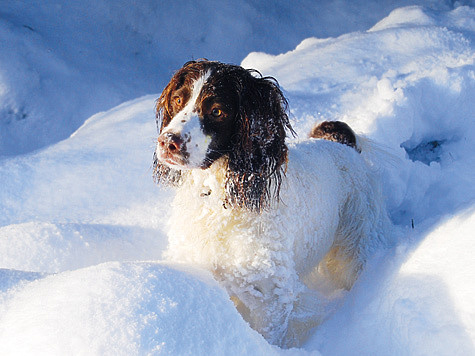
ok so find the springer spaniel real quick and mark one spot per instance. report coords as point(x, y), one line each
point(268, 219)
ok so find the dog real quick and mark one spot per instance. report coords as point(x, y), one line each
point(265, 216)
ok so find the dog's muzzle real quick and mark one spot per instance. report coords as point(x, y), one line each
point(171, 149)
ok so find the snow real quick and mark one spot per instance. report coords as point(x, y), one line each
point(420, 303)
point(79, 212)
point(125, 309)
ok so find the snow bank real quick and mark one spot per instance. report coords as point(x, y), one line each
point(51, 248)
point(86, 200)
point(417, 302)
point(102, 169)
point(126, 309)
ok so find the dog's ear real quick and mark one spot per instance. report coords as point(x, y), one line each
point(259, 155)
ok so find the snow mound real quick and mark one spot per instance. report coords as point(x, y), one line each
point(103, 169)
point(126, 309)
point(86, 200)
point(52, 248)
point(419, 302)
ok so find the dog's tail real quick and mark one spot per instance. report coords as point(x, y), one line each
point(377, 155)
point(336, 131)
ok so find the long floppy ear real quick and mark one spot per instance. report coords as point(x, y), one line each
point(259, 155)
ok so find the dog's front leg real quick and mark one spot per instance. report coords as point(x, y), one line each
point(266, 304)
point(271, 312)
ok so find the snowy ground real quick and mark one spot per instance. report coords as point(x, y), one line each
point(83, 227)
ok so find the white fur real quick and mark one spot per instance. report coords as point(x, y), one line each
point(331, 216)
point(186, 124)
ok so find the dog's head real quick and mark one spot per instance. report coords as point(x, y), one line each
point(211, 110)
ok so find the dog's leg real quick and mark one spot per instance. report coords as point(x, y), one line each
point(341, 266)
point(266, 304)
point(310, 309)
point(285, 314)
point(363, 226)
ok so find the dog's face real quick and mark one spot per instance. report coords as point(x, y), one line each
point(199, 117)
point(210, 110)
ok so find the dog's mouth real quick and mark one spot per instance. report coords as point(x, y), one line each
point(180, 163)
point(175, 161)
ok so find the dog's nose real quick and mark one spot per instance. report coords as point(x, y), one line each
point(170, 142)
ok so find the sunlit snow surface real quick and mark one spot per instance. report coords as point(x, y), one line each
point(79, 217)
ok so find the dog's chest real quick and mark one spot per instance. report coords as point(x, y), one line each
point(203, 231)
point(301, 227)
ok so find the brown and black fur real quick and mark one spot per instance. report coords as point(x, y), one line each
point(336, 131)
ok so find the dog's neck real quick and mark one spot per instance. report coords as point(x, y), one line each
point(207, 183)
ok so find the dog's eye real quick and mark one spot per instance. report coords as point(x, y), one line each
point(177, 100)
point(217, 112)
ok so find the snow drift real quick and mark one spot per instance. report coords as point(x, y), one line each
point(126, 309)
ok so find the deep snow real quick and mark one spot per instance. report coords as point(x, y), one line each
point(77, 217)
